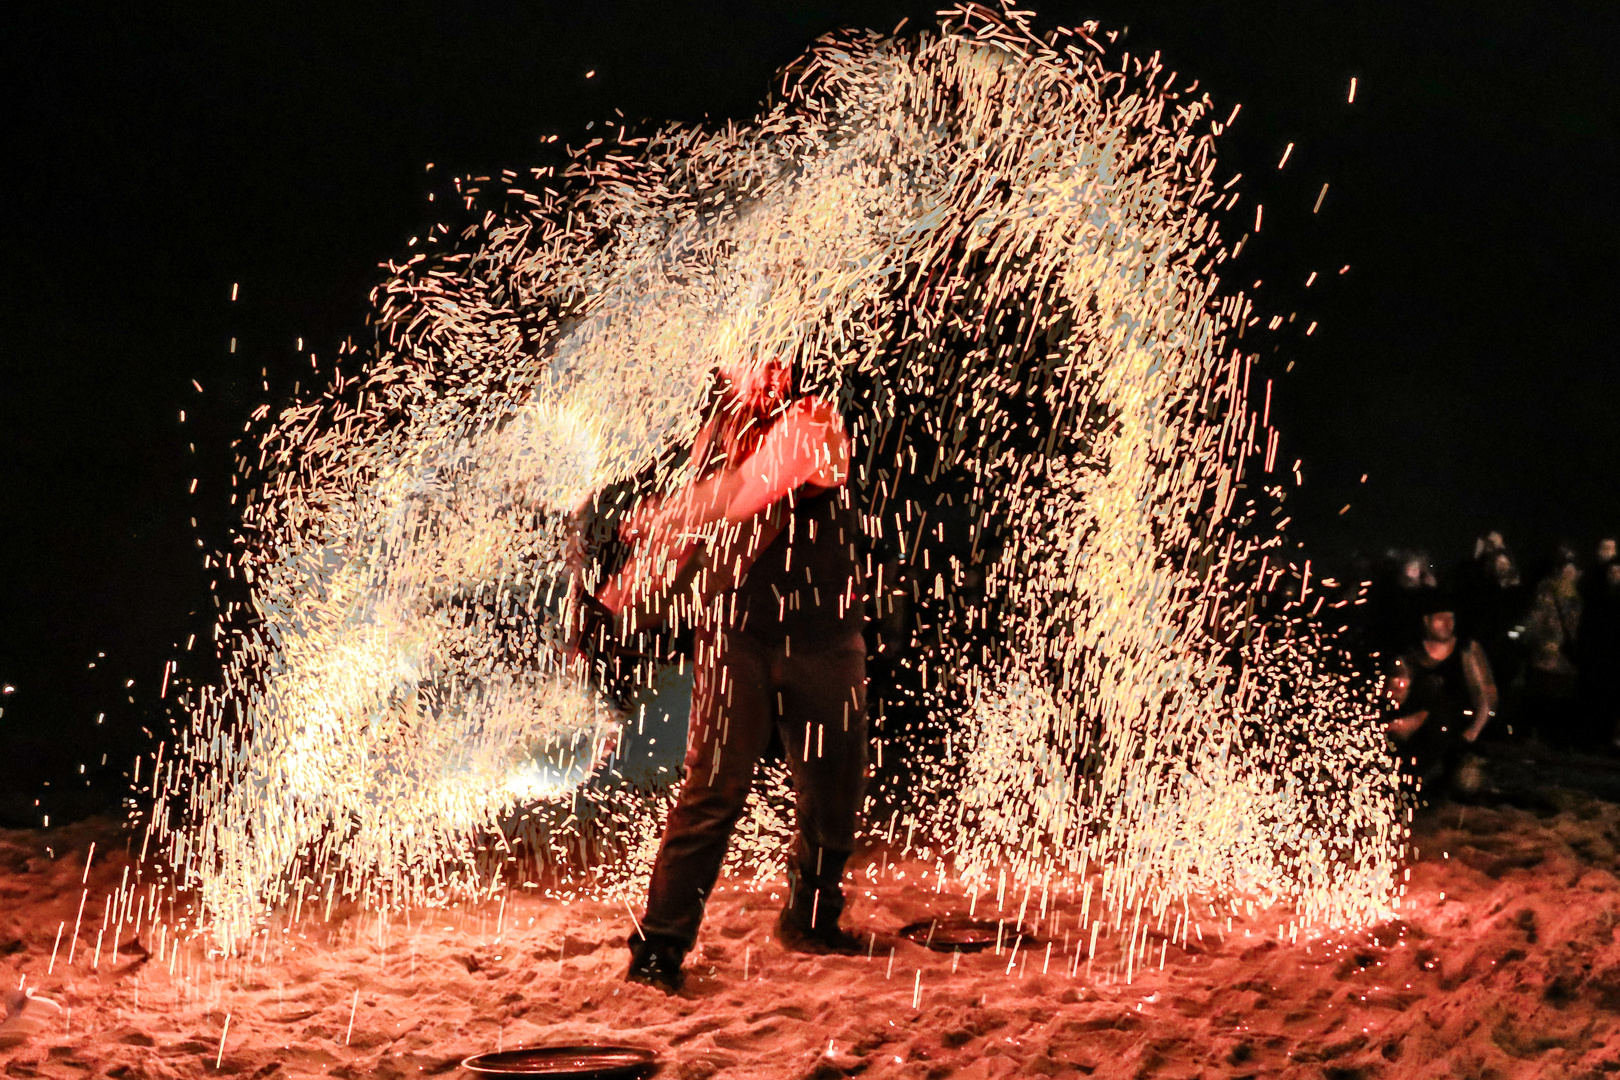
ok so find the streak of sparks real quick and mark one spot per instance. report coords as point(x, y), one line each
point(999, 254)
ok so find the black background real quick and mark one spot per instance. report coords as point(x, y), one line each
point(156, 154)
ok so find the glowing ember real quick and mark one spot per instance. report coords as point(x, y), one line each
point(998, 254)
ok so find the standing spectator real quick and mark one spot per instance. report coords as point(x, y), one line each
point(1496, 621)
point(1474, 583)
point(1600, 650)
point(1476, 572)
point(1593, 582)
point(1468, 578)
point(1551, 631)
point(1396, 599)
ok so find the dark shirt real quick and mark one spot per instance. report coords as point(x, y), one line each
point(1440, 687)
point(804, 589)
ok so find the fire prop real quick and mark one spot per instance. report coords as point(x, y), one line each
point(999, 254)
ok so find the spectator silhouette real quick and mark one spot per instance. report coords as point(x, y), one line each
point(1443, 695)
point(1494, 617)
point(1598, 650)
point(1396, 597)
point(1552, 628)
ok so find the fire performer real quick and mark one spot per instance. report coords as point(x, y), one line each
point(762, 542)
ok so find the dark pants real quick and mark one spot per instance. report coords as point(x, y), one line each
point(742, 690)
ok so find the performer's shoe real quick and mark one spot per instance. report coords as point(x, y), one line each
point(799, 936)
point(655, 960)
point(22, 1016)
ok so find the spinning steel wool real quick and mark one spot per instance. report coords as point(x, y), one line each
point(998, 255)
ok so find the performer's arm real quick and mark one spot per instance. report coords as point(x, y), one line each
point(1481, 687)
point(805, 449)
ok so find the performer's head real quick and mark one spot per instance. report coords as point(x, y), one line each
point(755, 382)
point(749, 389)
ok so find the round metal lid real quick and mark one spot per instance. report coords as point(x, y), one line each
point(954, 934)
point(568, 1063)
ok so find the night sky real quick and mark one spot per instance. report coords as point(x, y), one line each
point(156, 155)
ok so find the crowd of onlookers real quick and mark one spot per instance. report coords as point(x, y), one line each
point(1550, 632)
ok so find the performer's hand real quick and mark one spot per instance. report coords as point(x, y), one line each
point(1404, 727)
point(592, 620)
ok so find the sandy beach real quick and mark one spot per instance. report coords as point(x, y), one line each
point(1504, 962)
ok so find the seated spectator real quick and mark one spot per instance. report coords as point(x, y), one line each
point(1443, 695)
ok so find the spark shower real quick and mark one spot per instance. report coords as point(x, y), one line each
point(999, 253)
